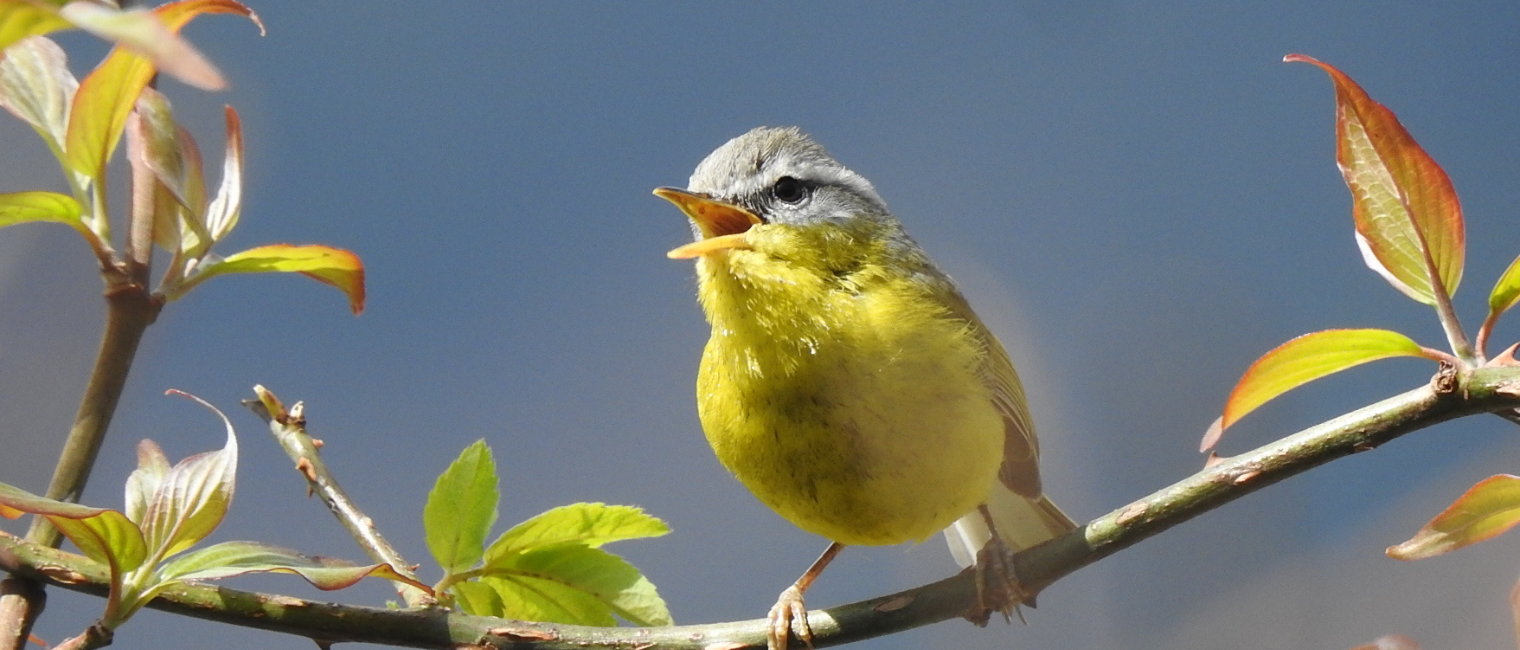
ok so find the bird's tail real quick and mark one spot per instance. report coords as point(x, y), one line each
point(1021, 523)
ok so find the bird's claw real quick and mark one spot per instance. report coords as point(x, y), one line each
point(785, 614)
point(997, 586)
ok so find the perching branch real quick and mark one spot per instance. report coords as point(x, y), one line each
point(1452, 394)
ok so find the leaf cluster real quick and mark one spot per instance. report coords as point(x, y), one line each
point(83, 121)
point(168, 511)
point(548, 568)
point(1410, 231)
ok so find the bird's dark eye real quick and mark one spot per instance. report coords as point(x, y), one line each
point(789, 190)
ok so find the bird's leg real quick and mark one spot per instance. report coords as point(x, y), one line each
point(789, 607)
point(997, 586)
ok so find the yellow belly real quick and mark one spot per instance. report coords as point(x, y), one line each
point(861, 417)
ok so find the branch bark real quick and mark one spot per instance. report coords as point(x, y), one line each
point(1451, 394)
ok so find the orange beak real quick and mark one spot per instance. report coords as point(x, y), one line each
point(724, 226)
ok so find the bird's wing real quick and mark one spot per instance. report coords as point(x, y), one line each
point(1021, 449)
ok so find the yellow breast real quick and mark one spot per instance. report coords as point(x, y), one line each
point(839, 389)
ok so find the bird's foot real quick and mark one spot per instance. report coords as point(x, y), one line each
point(788, 613)
point(997, 586)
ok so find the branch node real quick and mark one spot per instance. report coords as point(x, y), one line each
point(1446, 380)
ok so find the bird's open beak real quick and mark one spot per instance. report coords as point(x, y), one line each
point(723, 225)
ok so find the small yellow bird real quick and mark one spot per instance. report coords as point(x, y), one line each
point(847, 383)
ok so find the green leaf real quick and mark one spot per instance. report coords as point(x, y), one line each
point(238, 558)
point(106, 536)
point(527, 598)
point(576, 584)
point(36, 86)
point(21, 18)
point(461, 509)
point(144, 482)
point(192, 498)
point(23, 207)
point(325, 264)
point(1309, 357)
point(107, 95)
point(591, 524)
point(1403, 203)
point(478, 599)
point(1506, 291)
point(1484, 511)
point(109, 538)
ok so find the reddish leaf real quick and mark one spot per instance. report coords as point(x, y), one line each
point(107, 95)
point(222, 215)
point(239, 558)
point(169, 152)
point(1408, 219)
point(141, 31)
point(1305, 359)
point(1210, 438)
point(334, 266)
point(164, 150)
point(1484, 511)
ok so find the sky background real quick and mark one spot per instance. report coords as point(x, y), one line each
point(1138, 198)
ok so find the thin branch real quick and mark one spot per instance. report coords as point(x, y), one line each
point(130, 310)
point(21, 602)
point(1450, 395)
point(289, 429)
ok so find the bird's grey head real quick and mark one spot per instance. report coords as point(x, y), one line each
point(785, 177)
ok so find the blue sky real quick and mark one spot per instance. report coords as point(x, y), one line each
point(1138, 199)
